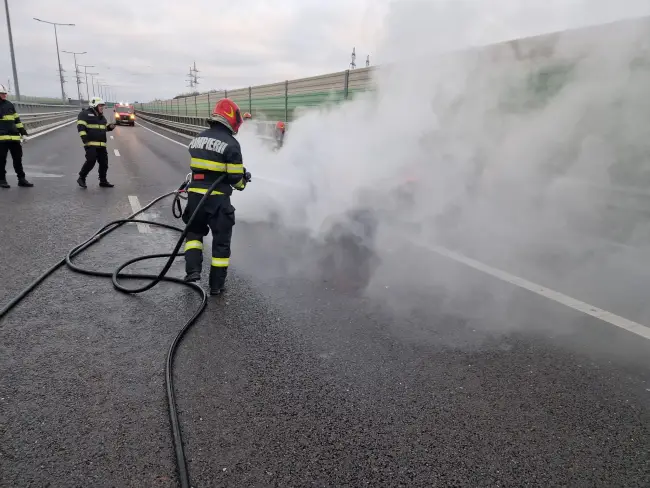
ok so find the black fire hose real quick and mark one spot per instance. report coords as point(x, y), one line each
point(115, 276)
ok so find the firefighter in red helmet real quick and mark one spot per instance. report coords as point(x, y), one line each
point(214, 153)
point(247, 116)
point(279, 133)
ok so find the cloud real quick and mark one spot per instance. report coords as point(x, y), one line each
point(144, 48)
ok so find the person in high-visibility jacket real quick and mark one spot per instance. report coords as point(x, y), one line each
point(92, 127)
point(214, 153)
point(12, 131)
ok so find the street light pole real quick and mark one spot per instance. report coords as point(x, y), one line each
point(58, 56)
point(76, 68)
point(105, 91)
point(11, 49)
point(92, 81)
point(86, 72)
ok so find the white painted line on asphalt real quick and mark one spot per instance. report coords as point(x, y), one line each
point(112, 137)
point(135, 205)
point(39, 134)
point(117, 153)
point(38, 174)
point(164, 137)
point(599, 313)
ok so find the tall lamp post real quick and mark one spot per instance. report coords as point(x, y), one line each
point(85, 67)
point(106, 90)
point(58, 57)
point(92, 81)
point(76, 68)
point(11, 50)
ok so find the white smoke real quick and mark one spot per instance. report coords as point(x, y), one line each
point(503, 146)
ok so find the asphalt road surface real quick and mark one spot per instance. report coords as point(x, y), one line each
point(296, 377)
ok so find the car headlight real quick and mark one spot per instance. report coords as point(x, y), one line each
point(132, 116)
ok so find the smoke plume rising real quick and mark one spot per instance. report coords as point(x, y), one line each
point(523, 155)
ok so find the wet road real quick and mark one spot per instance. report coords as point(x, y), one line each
point(295, 378)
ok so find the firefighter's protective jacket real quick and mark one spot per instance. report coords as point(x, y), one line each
point(92, 127)
point(214, 152)
point(11, 128)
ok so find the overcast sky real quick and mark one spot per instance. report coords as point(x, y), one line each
point(143, 48)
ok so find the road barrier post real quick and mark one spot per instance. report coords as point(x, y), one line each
point(286, 101)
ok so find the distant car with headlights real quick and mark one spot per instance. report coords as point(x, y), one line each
point(124, 114)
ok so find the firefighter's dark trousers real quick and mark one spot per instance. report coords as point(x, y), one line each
point(16, 150)
point(218, 216)
point(95, 155)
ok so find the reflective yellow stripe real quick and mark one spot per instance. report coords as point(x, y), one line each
point(83, 133)
point(240, 184)
point(9, 117)
point(232, 168)
point(82, 122)
point(203, 191)
point(20, 125)
point(96, 126)
point(9, 138)
point(220, 262)
point(193, 245)
point(235, 168)
point(93, 143)
point(205, 164)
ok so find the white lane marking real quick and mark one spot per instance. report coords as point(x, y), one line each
point(37, 174)
point(135, 205)
point(117, 153)
point(112, 137)
point(39, 134)
point(599, 313)
point(164, 137)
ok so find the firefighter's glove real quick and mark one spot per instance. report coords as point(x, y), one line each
point(247, 176)
point(110, 127)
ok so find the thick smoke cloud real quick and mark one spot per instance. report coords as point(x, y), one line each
point(509, 154)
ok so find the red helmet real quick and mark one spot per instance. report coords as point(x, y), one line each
point(247, 115)
point(227, 112)
point(280, 126)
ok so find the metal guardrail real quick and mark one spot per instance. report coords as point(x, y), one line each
point(29, 107)
point(37, 122)
point(191, 126)
point(39, 116)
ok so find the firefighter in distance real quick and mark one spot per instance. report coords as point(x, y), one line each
point(12, 131)
point(92, 127)
point(280, 129)
point(214, 152)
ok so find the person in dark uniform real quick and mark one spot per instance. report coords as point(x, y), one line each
point(12, 131)
point(279, 134)
point(214, 153)
point(92, 127)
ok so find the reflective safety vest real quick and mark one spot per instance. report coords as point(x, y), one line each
point(92, 128)
point(215, 152)
point(11, 128)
